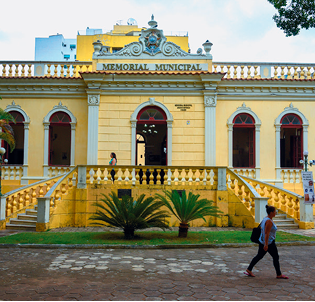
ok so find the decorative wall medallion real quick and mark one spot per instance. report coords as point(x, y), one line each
point(152, 43)
point(94, 100)
point(210, 101)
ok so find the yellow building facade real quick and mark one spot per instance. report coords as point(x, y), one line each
point(156, 105)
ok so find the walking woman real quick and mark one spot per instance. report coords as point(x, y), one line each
point(267, 244)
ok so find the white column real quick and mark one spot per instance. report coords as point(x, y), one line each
point(92, 147)
point(278, 163)
point(72, 150)
point(305, 138)
point(46, 148)
point(133, 141)
point(210, 103)
point(25, 156)
point(257, 150)
point(260, 208)
point(230, 146)
point(169, 142)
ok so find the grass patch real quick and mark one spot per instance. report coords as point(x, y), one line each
point(143, 238)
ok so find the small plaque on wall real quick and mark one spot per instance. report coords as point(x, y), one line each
point(123, 192)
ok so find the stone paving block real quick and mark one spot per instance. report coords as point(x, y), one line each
point(186, 298)
point(171, 297)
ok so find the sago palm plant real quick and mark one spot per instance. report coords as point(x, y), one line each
point(187, 208)
point(6, 132)
point(128, 214)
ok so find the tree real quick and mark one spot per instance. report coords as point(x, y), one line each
point(7, 133)
point(293, 15)
point(187, 208)
point(129, 215)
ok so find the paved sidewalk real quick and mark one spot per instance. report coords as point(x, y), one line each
point(190, 274)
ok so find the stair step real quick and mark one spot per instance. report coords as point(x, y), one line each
point(31, 212)
point(20, 226)
point(281, 216)
point(23, 222)
point(283, 221)
point(289, 226)
point(27, 217)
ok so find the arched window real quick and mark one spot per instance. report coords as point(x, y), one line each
point(291, 141)
point(17, 156)
point(152, 126)
point(59, 139)
point(243, 141)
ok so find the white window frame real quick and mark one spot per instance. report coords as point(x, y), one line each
point(46, 122)
point(230, 124)
point(169, 121)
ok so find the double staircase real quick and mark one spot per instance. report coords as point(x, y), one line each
point(26, 221)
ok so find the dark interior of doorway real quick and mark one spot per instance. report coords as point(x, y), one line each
point(243, 147)
point(290, 147)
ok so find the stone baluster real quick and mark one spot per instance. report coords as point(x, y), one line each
point(29, 71)
point(74, 71)
point(249, 72)
point(212, 175)
point(285, 176)
point(282, 72)
point(68, 71)
point(9, 205)
point(62, 70)
point(283, 203)
point(4, 71)
point(63, 189)
point(80, 68)
point(296, 75)
point(158, 177)
point(290, 206)
point(144, 177)
point(276, 72)
point(27, 197)
point(222, 68)
point(297, 176)
point(313, 77)
point(194, 177)
point(242, 72)
point(151, 182)
point(169, 177)
point(133, 180)
point(256, 75)
point(235, 72)
point(276, 200)
point(10, 70)
point(137, 176)
point(48, 70)
point(302, 73)
point(14, 204)
point(34, 195)
point(215, 68)
point(98, 174)
point(106, 174)
point(308, 72)
point(228, 72)
point(289, 77)
point(126, 175)
point(291, 176)
point(12, 173)
point(16, 70)
point(183, 175)
point(165, 177)
point(91, 175)
point(296, 208)
point(204, 177)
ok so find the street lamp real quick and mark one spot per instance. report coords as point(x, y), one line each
point(2, 151)
point(305, 162)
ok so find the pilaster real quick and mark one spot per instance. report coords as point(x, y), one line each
point(93, 112)
point(210, 102)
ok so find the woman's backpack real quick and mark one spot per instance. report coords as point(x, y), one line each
point(256, 234)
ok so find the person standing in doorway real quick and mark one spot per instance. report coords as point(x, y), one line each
point(113, 162)
point(267, 243)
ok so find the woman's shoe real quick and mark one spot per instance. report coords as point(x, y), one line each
point(282, 277)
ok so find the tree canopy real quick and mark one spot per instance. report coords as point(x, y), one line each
point(294, 15)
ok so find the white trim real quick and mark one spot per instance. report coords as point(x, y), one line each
point(210, 103)
point(289, 110)
point(14, 107)
point(46, 122)
point(230, 125)
point(169, 121)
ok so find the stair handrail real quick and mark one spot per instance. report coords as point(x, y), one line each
point(16, 201)
point(285, 200)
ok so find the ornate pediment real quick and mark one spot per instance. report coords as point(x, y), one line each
point(152, 43)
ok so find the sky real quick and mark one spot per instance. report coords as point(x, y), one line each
point(240, 30)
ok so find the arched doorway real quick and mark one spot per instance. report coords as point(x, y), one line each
point(243, 141)
point(291, 141)
point(17, 156)
point(59, 139)
point(152, 126)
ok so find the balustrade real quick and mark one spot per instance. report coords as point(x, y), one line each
point(20, 199)
point(56, 171)
point(245, 172)
point(153, 175)
point(284, 200)
point(277, 71)
point(291, 175)
point(41, 68)
point(11, 172)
